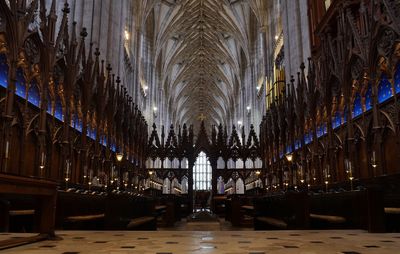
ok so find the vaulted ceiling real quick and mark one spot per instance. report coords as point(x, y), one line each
point(201, 50)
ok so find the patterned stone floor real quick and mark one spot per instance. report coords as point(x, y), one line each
point(228, 242)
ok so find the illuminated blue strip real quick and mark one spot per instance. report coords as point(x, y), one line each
point(397, 79)
point(3, 71)
point(384, 89)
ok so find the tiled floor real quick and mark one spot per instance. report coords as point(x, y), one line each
point(222, 225)
point(228, 242)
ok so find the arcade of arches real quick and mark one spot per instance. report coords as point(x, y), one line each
point(215, 115)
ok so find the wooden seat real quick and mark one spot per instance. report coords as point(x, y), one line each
point(85, 217)
point(139, 221)
point(273, 222)
point(248, 207)
point(328, 218)
point(392, 210)
point(160, 207)
point(21, 212)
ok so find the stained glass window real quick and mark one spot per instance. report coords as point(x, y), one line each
point(202, 173)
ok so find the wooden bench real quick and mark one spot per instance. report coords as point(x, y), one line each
point(328, 218)
point(392, 210)
point(85, 217)
point(277, 223)
point(248, 208)
point(21, 212)
point(43, 194)
point(80, 211)
point(348, 210)
point(281, 211)
point(234, 212)
point(124, 211)
point(137, 223)
point(219, 204)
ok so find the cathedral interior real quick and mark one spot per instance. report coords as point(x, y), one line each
point(200, 126)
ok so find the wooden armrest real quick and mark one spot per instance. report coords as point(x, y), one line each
point(248, 207)
point(139, 221)
point(21, 212)
point(220, 198)
point(392, 210)
point(329, 218)
point(160, 207)
point(85, 217)
point(273, 221)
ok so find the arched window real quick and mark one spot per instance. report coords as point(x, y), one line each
point(202, 173)
point(220, 185)
point(166, 186)
point(184, 185)
point(239, 186)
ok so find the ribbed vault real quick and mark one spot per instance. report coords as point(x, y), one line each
point(200, 49)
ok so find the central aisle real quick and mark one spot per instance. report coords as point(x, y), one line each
point(226, 242)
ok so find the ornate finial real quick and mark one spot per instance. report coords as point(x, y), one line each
point(96, 52)
point(302, 66)
point(84, 32)
point(66, 8)
point(201, 117)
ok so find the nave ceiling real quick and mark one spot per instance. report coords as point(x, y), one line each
point(201, 51)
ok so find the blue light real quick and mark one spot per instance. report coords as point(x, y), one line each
point(308, 138)
point(357, 106)
point(20, 87)
point(49, 106)
point(320, 130)
point(384, 89)
point(77, 124)
point(368, 98)
point(33, 94)
point(337, 120)
point(58, 109)
point(297, 144)
point(94, 134)
point(104, 141)
point(3, 71)
point(91, 133)
point(34, 98)
point(397, 78)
